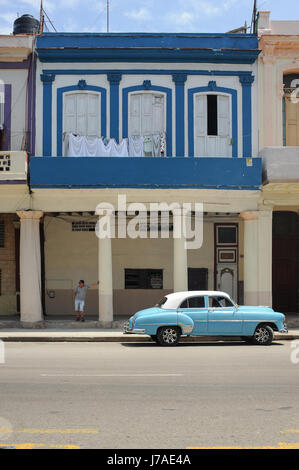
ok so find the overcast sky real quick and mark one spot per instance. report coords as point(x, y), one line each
point(146, 15)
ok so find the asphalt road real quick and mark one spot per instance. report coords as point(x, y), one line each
point(110, 395)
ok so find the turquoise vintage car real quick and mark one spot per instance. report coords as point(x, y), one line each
point(205, 313)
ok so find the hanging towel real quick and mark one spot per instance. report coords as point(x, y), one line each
point(119, 150)
point(156, 145)
point(148, 146)
point(163, 143)
point(76, 146)
point(136, 146)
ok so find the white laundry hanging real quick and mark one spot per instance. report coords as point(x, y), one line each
point(136, 146)
point(119, 150)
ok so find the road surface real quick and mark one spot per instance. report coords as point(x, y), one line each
point(116, 396)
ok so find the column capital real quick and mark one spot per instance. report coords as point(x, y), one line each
point(249, 215)
point(31, 215)
point(47, 78)
point(179, 78)
point(246, 80)
point(114, 77)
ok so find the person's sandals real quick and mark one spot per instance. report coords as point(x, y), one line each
point(83, 319)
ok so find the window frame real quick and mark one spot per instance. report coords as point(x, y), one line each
point(144, 278)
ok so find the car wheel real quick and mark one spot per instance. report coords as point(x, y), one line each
point(263, 335)
point(168, 336)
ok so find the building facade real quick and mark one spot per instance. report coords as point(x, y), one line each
point(279, 149)
point(199, 94)
point(17, 131)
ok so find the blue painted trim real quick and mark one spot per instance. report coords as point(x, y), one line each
point(114, 78)
point(168, 92)
point(213, 87)
point(146, 172)
point(47, 79)
point(60, 92)
point(246, 81)
point(180, 79)
point(224, 73)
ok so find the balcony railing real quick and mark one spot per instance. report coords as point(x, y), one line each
point(13, 166)
point(280, 164)
point(146, 172)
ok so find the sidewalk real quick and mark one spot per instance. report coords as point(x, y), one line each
point(104, 335)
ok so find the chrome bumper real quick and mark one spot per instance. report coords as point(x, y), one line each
point(284, 330)
point(132, 331)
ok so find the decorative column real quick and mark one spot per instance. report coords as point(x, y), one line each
point(265, 255)
point(246, 81)
point(251, 279)
point(258, 257)
point(179, 80)
point(269, 96)
point(47, 79)
point(114, 78)
point(30, 266)
point(180, 261)
point(105, 272)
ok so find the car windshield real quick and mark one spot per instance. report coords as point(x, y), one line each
point(161, 302)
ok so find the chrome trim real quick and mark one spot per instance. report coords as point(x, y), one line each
point(284, 330)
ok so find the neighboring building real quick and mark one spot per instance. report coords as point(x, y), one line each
point(279, 148)
point(17, 127)
point(201, 91)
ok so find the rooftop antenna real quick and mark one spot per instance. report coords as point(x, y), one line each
point(108, 16)
point(254, 19)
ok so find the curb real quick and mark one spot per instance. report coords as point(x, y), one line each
point(128, 339)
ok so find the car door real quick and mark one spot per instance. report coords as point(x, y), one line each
point(195, 307)
point(223, 317)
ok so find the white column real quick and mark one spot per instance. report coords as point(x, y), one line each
point(30, 266)
point(258, 257)
point(250, 257)
point(265, 256)
point(106, 281)
point(180, 263)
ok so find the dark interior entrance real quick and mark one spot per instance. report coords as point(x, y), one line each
point(285, 268)
point(197, 279)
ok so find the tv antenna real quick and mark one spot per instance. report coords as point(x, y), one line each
point(108, 16)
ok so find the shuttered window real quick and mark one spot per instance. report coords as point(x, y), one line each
point(82, 114)
point(146, 114)
point(212, 125)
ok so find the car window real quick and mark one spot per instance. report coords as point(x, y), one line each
point(193, 302)
point(220, 301)
point(161, 302)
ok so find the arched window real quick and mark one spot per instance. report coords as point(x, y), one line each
point(291, 109)
point(81, 113)
point(212, 125)
point(147, 116)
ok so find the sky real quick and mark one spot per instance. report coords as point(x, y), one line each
point(200, 16)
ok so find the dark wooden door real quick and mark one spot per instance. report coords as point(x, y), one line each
point(285, 261)
point(197, 279)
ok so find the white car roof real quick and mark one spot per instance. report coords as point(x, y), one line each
point(174, 300)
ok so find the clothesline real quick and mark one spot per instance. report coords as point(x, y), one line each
point(135, 146)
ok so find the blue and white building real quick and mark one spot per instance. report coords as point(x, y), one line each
point(200, 92)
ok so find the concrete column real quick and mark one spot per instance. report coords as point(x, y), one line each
point(250, 257)
point(265, 256)
point(180, 263)
point(30, 266)
point(258, 257)
point(106, 280)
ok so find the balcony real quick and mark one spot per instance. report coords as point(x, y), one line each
point(146, 172)
point(13, 167)
point(280, 164)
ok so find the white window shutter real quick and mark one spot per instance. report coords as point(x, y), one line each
point(223, 116)
point(147, 114)
point(135, 115)
point(158, 114)
point(70, 113)
point(93, 128)
point(201, 115)
point(82, 113)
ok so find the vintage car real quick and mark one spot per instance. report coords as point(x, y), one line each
point(205, 313)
